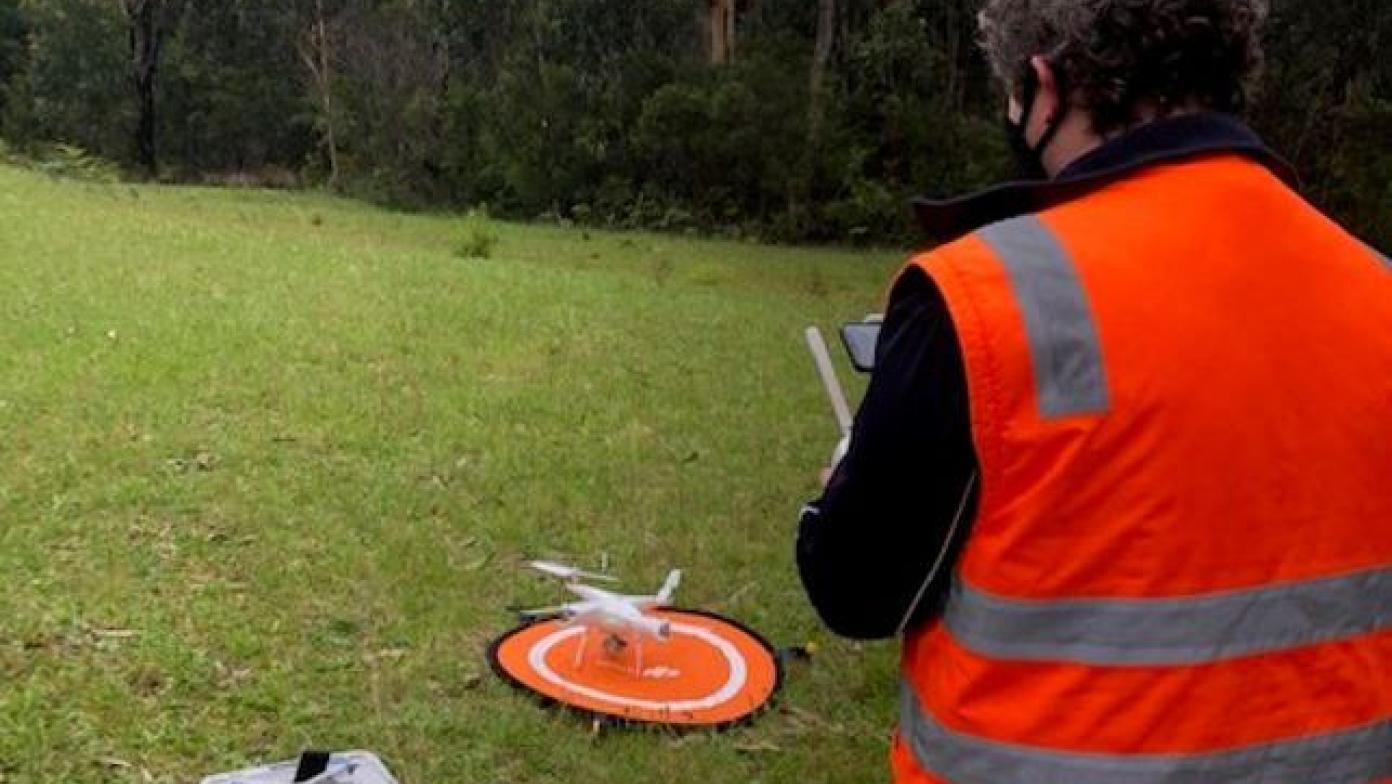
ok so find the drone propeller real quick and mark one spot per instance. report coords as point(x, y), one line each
point(538, 612)
point(568, 610)
point(569, 573)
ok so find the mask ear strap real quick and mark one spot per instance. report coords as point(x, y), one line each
point(1056, 122)
point(1029, 90)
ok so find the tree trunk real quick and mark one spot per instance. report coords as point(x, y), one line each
point(317, 56)
point(730, 18)
point(146, 40)
point(720, 28)
point(816, 77)
point(800, 186)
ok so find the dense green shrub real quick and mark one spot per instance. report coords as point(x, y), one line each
point(73, 162)
point(477, 238)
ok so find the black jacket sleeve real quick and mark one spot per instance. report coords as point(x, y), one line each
point(865, 549)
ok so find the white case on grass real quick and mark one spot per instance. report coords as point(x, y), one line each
point(349, 767)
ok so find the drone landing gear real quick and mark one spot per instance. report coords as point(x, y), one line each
point(614, 646)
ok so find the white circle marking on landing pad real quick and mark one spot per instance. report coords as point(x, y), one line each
point(739, 672)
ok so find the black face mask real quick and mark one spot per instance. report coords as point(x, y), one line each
point(1029, 159)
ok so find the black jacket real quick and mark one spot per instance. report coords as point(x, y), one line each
point(866, 548)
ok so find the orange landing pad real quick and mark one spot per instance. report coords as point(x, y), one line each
point(713, 672)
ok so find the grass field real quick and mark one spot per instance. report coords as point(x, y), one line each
point(270, 463)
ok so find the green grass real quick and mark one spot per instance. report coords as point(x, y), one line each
point(269, 464)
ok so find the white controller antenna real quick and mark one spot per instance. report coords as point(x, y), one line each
point(817, 345)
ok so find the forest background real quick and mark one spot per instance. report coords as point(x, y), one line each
point(785, 120)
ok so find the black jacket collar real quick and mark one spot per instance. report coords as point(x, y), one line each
point(1165, 141)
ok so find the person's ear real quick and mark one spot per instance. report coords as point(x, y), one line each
point(1048, 102)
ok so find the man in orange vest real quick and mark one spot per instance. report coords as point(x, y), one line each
point(1123, 475)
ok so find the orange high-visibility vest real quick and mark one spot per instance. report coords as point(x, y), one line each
point(1181, 566)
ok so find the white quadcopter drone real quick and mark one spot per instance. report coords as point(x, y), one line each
point(621, 619)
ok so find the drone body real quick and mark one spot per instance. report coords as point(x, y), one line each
point(620, 619)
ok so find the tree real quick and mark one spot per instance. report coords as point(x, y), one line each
point(226, 106)
point(14, 32)
point(71, 83)
point(148, 24)
point(816, 109)
point(816, 78)
point(720, 31)
point(316, 50)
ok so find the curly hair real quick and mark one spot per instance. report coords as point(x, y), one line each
point(1124, 56)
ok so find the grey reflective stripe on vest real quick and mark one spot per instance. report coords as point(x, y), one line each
point(1171, 631)
point(1064, 347)
point(1357, 756)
